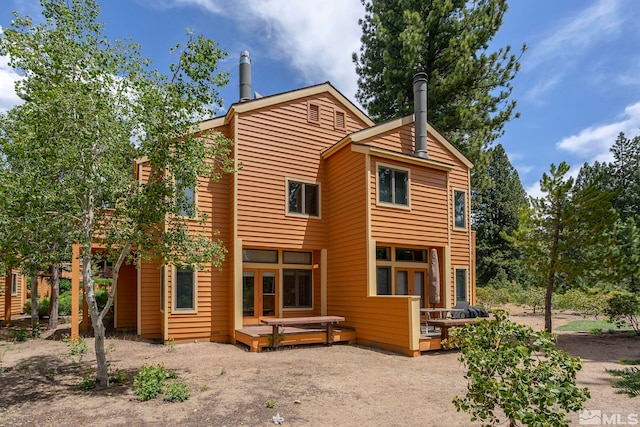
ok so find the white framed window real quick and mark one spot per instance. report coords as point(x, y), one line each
point(459, 209)
point(14, 284)
point(303, 198)
point(185, 291)
point(393, 185)
point(461, 278)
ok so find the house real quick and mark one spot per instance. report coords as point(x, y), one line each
point(13, 295)
point(330, 214)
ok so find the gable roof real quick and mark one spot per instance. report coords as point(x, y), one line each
point(254, 104)
point(363, 134)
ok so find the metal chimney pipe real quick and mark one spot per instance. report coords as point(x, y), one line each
point(245, 76)
point(420, 114)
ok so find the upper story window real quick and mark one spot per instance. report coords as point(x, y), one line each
point(393, 185)
point(186, 199)
point(303, 198)
point(459, 209)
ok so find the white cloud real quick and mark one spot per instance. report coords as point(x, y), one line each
point(316, 37)
point(572, 38)
point(8, 78)
point(593, 143)
point(536, 94)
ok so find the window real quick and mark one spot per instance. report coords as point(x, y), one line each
point(413, 255)
point(185, 289)
point(185, 199)
point(393, 186)
point(383, 253)
point(260, 255)
point(383, 280)
point(461, 284)
point(297, 288)
point(339, 120)
point(296, 257)
point(314, 113)
point(14, 284)
point(303, 198)
point(459, 210)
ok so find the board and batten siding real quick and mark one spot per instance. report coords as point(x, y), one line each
point(380, 321)
point(279, 142)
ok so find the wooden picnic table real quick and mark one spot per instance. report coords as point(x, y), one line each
point(275, 323)
point(445, 324)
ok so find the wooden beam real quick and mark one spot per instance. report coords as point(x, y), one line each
point(7, 299)
point(75, 290)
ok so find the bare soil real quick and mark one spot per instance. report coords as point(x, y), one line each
point(339, 385)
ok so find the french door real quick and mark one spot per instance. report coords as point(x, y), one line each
point(411, 281)
point(260, 295)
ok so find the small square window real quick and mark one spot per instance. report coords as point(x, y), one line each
point(383, 253)
point(303, 198)
point(459, 209)
point(393, 186)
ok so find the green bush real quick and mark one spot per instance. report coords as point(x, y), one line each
point(177, 391)
point(518, 370)
point(623, 308)
point(149, 381)
point(583, 302)
point(101, 298)
point(19, 334)
point(64, 285)
point(533, 297)
point(489, 297)
point(43, 307)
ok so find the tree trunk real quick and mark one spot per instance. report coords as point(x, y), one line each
point(35, 303)
point(55, 292)
point(102, 377)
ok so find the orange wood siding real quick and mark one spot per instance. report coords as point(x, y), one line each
point(425, 224)
point(382, 321)
point(18, 300)
point(279, 142)
point(127, 298)
point(150, 315)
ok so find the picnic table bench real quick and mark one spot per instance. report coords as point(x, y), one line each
point(309, 320)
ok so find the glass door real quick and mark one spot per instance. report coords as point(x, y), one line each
point(259, 295)
point(411, 281)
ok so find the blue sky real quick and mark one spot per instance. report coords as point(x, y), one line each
point(579, 84)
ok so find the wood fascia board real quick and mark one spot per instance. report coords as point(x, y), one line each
point(215, 122)
point(449, 146)
point(336, 147)
point(381, 128)
point(401, 157)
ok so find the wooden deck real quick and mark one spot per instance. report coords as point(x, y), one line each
point(260, 337)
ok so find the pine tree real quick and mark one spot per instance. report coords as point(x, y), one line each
point(496, 214)
point(468, 84)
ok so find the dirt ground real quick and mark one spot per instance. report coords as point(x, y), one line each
point(339, 385)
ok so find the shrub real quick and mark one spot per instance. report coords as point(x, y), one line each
point(64, 285)
point(489, 297)
point(19, 334)
point(149, 381)
point(43, 307)
point(582, 302)
point(627, 380)
point(533, 297)
point(623, 308)
point(518, 370)
point(101, 298)
point(177, 391)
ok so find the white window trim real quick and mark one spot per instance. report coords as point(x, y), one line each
point(455, 284)
point(453, 207)
point(286, 196)
point(388, 204)
point(14, 283)
point(174, 293)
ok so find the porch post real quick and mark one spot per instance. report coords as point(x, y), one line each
point(75, 294)
point(7, 299)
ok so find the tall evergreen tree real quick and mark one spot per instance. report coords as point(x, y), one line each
point(468, 84)
point(496, 214)
point(625, 173)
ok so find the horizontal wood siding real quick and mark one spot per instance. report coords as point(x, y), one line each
point(276, 143)
point(381, 320)
point(127, 298)
point(150, 315)
point(425, 224)
point(18, 300)
point(221, 279)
